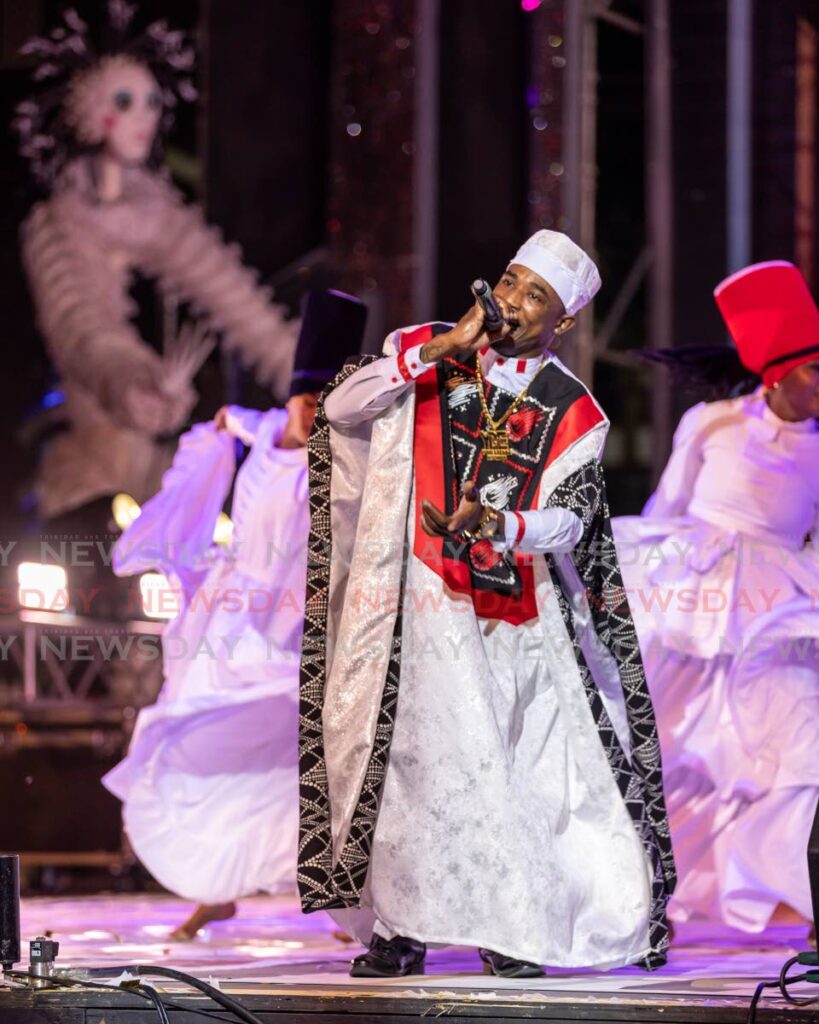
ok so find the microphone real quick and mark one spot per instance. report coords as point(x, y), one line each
point(493, 318)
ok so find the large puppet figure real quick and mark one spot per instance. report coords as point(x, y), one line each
point(210, 783)
point(92, 133)
point(723, 579)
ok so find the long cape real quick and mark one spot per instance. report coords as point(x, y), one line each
point(351, 653)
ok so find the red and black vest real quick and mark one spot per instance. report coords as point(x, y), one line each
point(556, 413)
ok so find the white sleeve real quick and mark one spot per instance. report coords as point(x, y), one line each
point(374, 387)
point(540, 531)
point(682, 469)
point(243, 423)
point(174, 530)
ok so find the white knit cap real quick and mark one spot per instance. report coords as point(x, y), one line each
point(564, 265)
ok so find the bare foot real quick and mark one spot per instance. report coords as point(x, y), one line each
point(786, 915)
point(204, 914)
point(342, 936)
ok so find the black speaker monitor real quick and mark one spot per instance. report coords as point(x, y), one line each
point(9, 911)
point(813, 867)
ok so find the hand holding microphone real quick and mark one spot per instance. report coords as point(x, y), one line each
point(473, 331)
point(493, 318)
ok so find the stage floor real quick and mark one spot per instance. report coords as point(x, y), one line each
point(284, 965)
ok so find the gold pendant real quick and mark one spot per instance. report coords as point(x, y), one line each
point(496, 444)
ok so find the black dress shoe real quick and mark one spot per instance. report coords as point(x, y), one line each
point(390, 958)
point(508, 967)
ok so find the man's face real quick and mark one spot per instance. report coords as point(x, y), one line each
point(801, 389)
point(533, 307)
point(301, 414)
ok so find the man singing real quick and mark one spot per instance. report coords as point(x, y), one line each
point(479, 757)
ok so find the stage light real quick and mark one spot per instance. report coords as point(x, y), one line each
point(530, 5)
point(223, 531)
point(125, 510)
point(42, 587)
point(159, 599)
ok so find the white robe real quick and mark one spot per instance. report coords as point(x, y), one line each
point(500, 823)
point(724, 591)
point(210, 783)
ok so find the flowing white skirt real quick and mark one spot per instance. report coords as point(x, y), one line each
point(737, 704)
point(213, 811)
point(210, 783)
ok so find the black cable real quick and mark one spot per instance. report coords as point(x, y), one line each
point(228, 1002)
point(153, 996)
point(210, 1014)
point(59, 981)
point(784, 981)
point(225, 1001)
point(784, 972)
point(756, 997)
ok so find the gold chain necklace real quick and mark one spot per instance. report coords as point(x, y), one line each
point(495, 438)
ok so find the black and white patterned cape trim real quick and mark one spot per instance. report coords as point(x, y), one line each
point(639, 779)
point(321, 885)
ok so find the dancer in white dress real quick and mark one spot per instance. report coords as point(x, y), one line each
point(210, 783)
point(723, 581)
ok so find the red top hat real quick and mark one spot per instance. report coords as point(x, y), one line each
point(772, 317)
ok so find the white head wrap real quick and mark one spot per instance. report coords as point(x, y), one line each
point(570, 271)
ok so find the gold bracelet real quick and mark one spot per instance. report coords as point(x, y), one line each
point(488, 515)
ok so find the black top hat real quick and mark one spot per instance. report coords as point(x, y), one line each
point(332, 328)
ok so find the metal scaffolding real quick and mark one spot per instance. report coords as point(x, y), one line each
point(655, 258)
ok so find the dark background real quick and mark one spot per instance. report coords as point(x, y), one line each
point(267, 150)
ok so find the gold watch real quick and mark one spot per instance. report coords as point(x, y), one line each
point(487, 528)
